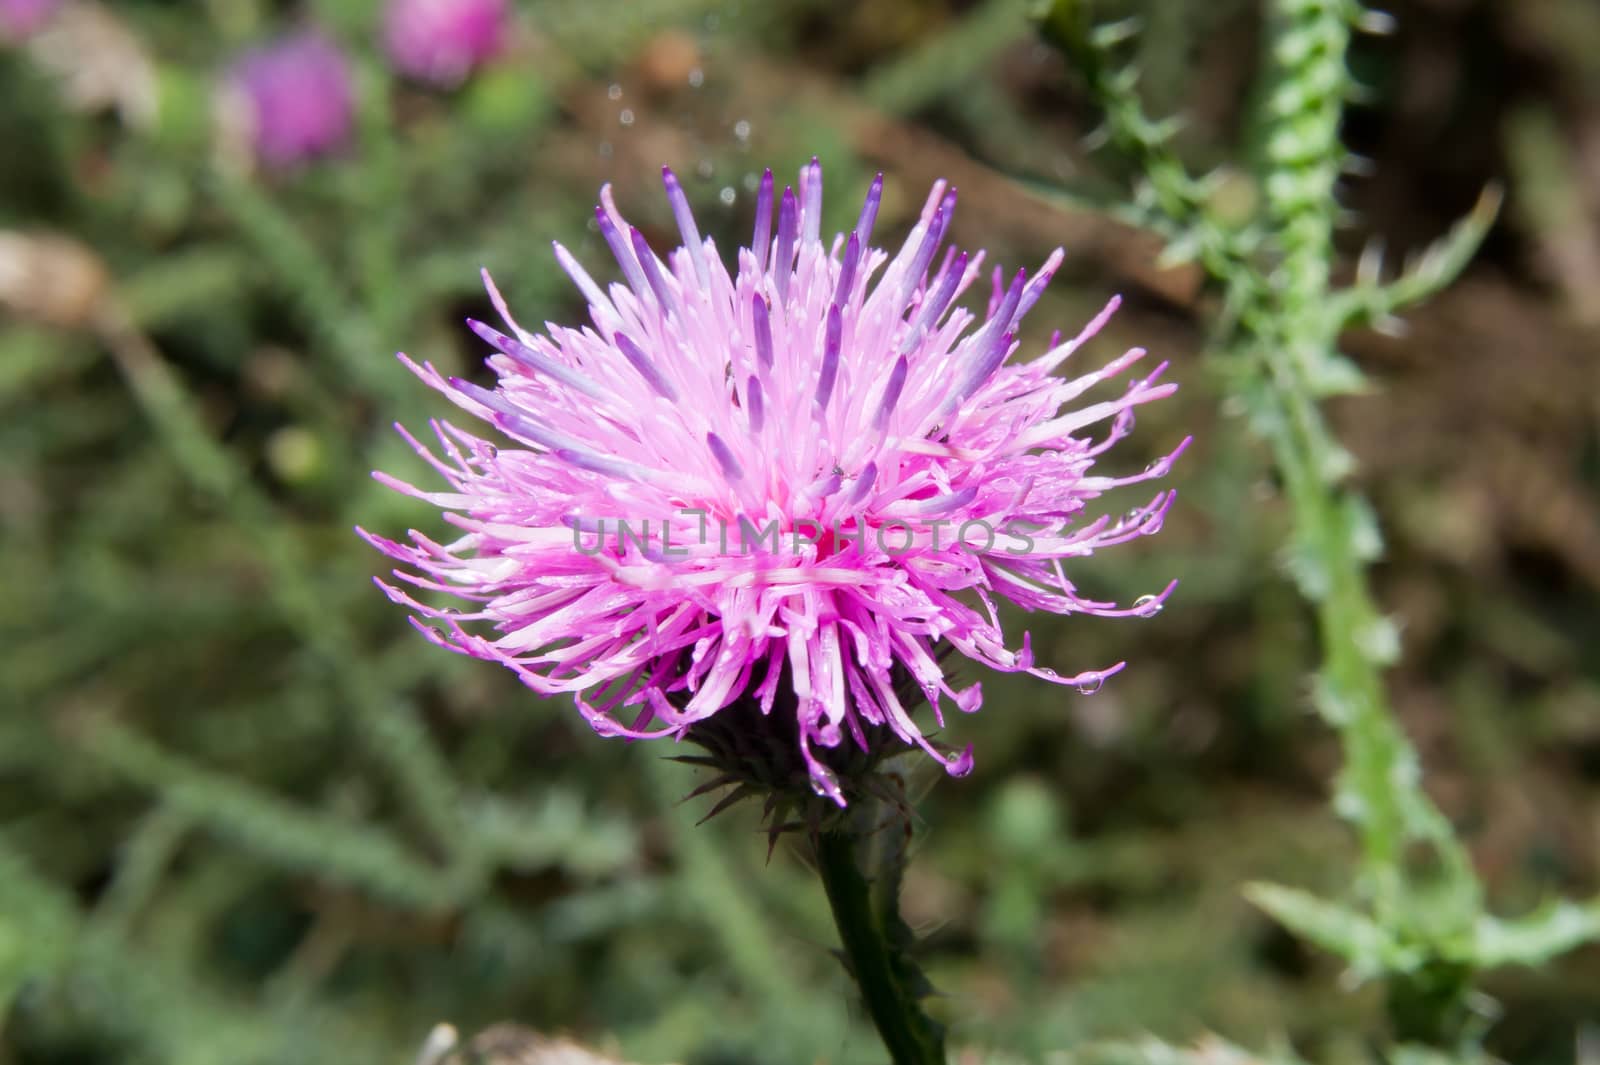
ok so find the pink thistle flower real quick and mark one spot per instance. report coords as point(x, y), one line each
point(22, 18)
point(441, 41)
point(295, 96)
point(830, 402)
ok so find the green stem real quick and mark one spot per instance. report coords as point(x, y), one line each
point(869, 927)
point(1279, 337)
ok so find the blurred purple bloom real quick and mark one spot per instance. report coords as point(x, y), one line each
point(19, 18)
point(297, 97)
point(828, 389)
point(441, 41)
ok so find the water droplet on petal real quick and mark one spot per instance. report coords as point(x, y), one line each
point(825, 786)
point(1147, 606)
point(1048, 672)
point(1091, 684)
point(960, 763)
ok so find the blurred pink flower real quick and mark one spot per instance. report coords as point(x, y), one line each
point(296, 96)
point(19, 18)
point(441, 41)
point(828, 401)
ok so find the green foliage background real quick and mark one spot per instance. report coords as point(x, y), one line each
point(246, 815)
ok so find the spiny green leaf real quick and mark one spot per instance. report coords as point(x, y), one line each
point(1549, 931)
point(1371, 303)
point(1366, 945)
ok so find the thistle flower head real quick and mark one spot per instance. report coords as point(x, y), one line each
point(758, 500)
point(441, 41)
point(20, 18)
point(295, 96)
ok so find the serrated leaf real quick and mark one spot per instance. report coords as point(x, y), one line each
point(1536, 938)
point(1337, 929)
point(1440, 264)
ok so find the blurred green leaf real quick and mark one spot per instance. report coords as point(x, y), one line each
point(1534, 939)
point(1370, 948)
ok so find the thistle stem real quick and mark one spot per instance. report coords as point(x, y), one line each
point(866, 915)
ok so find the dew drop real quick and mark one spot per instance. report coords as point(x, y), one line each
point(727, 195)
point(1091, 684)
point(615, 91)
point(697, 78)
point(825, 785)
point(741, 129)
point(1159, 468)
point(1147, 606)
point(959, 764)
point(490, 451)
point(626, 117)
point(1048, 672)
